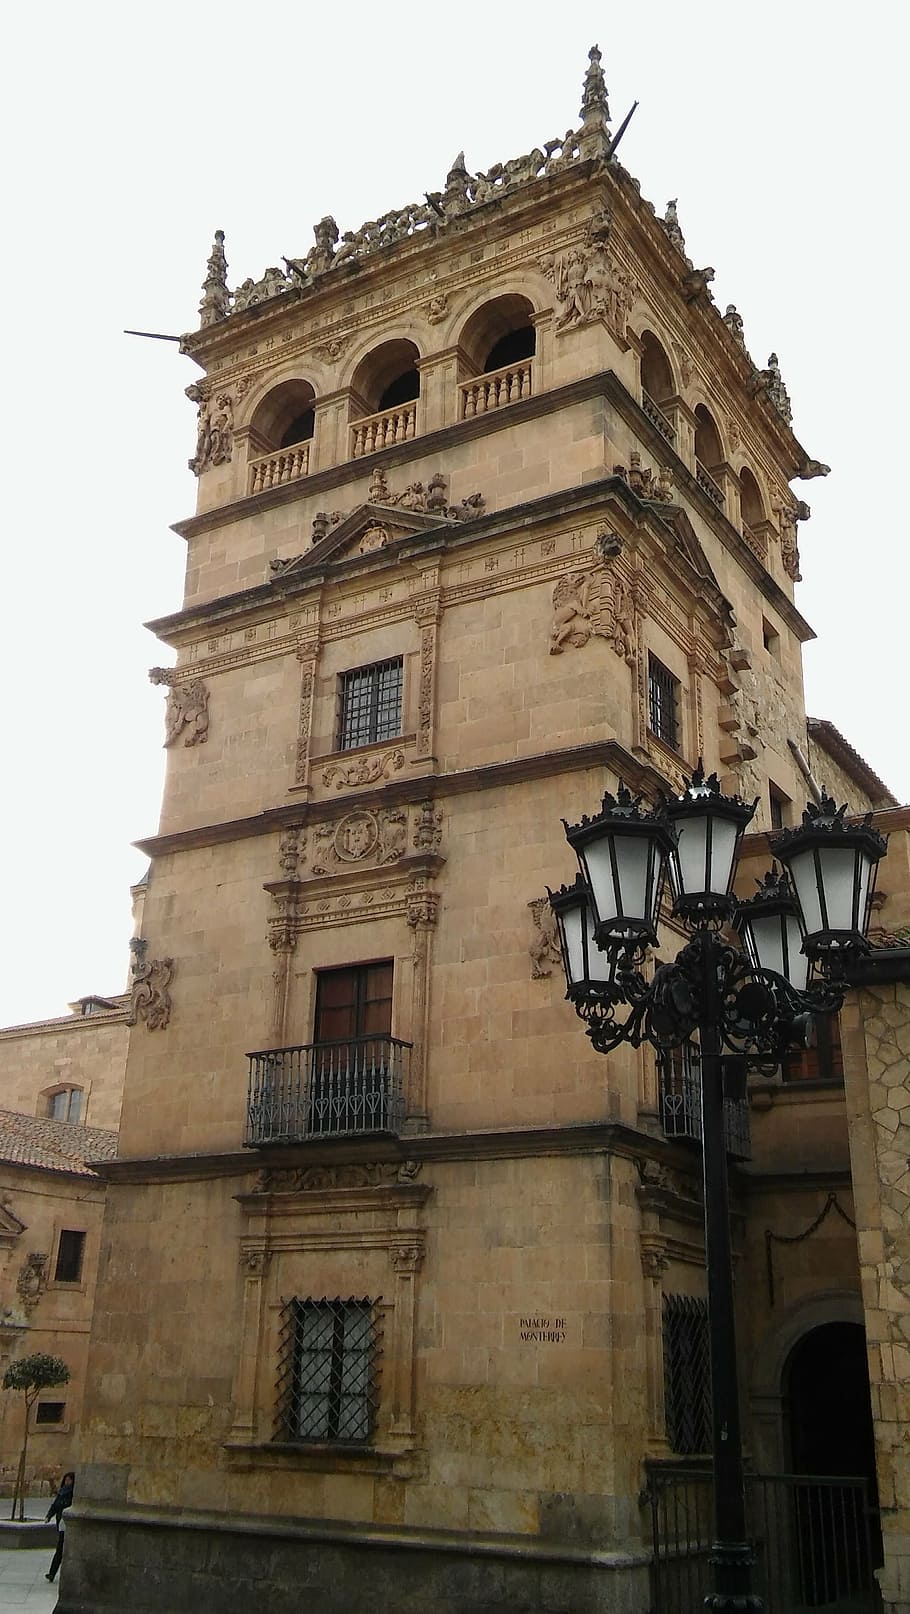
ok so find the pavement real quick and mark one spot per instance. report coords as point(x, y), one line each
point(22, 1569)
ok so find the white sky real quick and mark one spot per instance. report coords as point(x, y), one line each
point(133, 132)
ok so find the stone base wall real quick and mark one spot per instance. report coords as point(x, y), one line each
point(167, 1565)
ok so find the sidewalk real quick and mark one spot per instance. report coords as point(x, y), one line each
point(22, 1571)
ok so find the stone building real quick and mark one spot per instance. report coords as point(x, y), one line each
point(61, 1083)
point(401, 1295)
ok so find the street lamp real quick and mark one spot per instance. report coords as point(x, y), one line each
point(752, 999)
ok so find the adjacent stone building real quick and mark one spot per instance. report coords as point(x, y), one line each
point(401, 1296)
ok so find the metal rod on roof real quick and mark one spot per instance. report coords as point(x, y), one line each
point(156, 336)
point(621, 130)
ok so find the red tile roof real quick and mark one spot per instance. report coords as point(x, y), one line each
point(32, 1140)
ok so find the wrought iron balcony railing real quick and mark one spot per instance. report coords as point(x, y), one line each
point(326, 1090)
point(680, 1105)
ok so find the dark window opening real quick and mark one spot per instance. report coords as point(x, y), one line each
point(687, 1374)
point(70, 1252)
point(663, 703)
point(370, 704)
point(823, 1060)
point(770, 638)
point(404, 389)
point(512, 348)
point(50, 1411)
point(778, 804)
point(300, 430)
point(328, 1380)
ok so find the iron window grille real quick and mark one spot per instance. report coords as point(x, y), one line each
point(370, 704)
point(663, 703)
point(328, 1373)
point(687, 1374)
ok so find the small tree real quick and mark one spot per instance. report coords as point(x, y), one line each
point(31, 1374)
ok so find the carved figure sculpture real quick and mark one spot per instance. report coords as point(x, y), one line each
point(623, 633)
point(544, 949)
point(214, 432)
point(149, 997)
point(734, 323)
point(437, 308)
point(393, 828)
point(672, 226)
point(187, 707)
point(216, 299)
point(427, 828)
point(32, 1279)
point(571, 616)
point(774, 388)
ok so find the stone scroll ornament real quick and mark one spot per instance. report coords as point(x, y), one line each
point(150, 999)
point(187, 710)
point(365, 771)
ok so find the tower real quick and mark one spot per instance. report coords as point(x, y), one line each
point(494, 513)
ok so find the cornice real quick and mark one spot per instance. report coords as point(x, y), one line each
point(507, 1143)
point(75, 1022)
point(636, 773)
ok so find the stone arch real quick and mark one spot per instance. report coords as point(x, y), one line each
point(388, 374)
point(499, 331)
point(769, 1363)
point(285, 414)
point(658, 377)
point(709, 444)
point(751, 499)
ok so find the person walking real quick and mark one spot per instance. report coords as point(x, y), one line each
point(61, 1502)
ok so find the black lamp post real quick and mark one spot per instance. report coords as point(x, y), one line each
point(750, 1000)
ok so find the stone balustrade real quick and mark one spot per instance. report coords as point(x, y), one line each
point(495, 390)
point(707, 483)
point(756, 541)
point(274, 470)
point(657, 417)
point(391, 426)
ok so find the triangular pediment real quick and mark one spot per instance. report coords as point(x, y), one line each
point(687, 543)
point(364, 531)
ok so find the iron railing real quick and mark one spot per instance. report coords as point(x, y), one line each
point(326, 1090)
point(680, 1104)
point(813, 1536)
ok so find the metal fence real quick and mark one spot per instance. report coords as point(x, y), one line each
point(813, 1539)
point(326, 1089)
point(679, 1074)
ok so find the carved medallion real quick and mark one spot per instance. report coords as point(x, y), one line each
point(355, 837)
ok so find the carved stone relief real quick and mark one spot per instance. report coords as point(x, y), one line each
point(788, 515)
point(291, 847)
point(645, 482)
point(316, 1179)
point(772, 383)
point(32, 1280)
point(360, 837)
point(187, 710)
point(437, 308)
point(589, 283)
point(214, 430)
point(363, 770)
point(544, 949)
point(149, 997)
point(592, 604)
point(427, 828)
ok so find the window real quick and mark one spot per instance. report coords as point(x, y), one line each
point(370, 704)
point(778, 805)
point(327, 1377)
point(65, 1105)
point(823, 1060)
point(355, 1084)
point(70, 1252)
point(770, 638)
point(687, 1374)
point(50, 1412)
point(663, 703)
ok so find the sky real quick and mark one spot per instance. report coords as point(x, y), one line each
point(132, 133)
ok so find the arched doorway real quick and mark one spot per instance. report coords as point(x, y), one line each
point(829, 1435)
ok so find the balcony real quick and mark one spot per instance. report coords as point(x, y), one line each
point(680, 1104)
point(707, 483)
point(274, 470)
point(657, 417)
point(326, 1090)
point(495, 390)
point(391, 426)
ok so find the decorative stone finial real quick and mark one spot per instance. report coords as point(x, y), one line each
point(216, 298)
point(594, 136)
point(774, 388)
point(672, 226)
point(734, 322)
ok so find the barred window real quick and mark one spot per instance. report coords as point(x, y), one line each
point(370, 704)
point(663, 703)
point(328, 1371)
point(687, 1374)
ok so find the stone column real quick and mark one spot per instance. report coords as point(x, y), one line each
point(254, 1261)
point(423, 911)
point(406, 1261)
point(308, 656)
